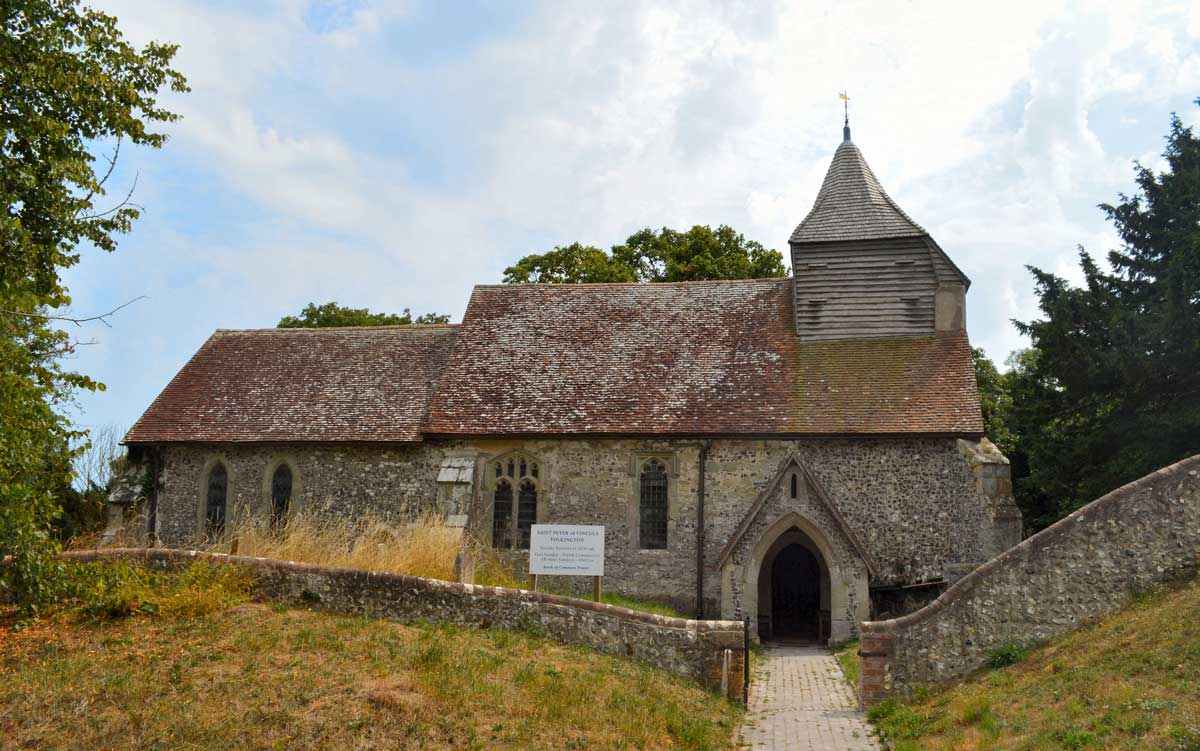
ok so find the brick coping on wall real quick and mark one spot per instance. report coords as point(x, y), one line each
point(877, 638)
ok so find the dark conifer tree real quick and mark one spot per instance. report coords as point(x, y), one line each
point(1113, 391)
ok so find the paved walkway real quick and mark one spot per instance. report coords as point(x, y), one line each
point(799, 699)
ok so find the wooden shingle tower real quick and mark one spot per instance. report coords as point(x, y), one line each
point(863, 269)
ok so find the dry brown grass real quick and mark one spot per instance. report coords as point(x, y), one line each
point(422, 546)
point(264, 677)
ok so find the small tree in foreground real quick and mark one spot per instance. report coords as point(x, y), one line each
point(69, 82)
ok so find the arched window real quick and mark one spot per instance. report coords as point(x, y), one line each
point(652, 506)
point(281, 494)
point(795, 483)
point(214, 505)
point(526, 510)
point(514, 514)
point(502, 515)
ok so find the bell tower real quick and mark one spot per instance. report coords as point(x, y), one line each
point(863, 269)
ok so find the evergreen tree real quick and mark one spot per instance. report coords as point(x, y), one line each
point(1113, 391)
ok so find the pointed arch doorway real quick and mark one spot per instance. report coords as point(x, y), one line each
point(794, 590)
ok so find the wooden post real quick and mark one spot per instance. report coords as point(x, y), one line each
point(596, 589)
point(533, 582)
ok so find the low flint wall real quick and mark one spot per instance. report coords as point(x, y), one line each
point(694, 649)
point(1084, 566)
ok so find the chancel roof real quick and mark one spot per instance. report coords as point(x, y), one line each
point(295, 385)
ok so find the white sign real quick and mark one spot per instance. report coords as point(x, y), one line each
point(566, 550)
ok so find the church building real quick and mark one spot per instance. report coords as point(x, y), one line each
point(805, 451)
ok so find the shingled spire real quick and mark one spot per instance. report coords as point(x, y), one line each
point(852, 205)
point(863, 269)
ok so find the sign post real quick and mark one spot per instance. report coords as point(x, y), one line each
point(567, 550)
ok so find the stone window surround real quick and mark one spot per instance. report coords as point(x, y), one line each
point(202, 494)
point(490, 482)
point(670, 460)
point(297, 483)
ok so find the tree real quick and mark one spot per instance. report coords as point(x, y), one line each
point(1113, 391)
point(574, 263)
point(995, 401)
point(331, 314)
point(647, 256)
point(69, 83)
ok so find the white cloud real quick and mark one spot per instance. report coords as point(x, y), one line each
point(386, 179)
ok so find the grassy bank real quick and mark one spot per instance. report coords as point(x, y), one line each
point(1131, 681)
point(423, 546)
point(140, 660)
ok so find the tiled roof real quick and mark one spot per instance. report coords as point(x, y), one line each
point(688, 358)
point(852, 205)
point(332, 384)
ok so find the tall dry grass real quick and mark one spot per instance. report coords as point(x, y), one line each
point(422, 546)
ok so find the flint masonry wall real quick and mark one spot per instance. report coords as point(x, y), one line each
point(1083, 567)
point(334, 479)
point(914, 502)
point(694, 649)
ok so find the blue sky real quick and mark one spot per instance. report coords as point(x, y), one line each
point(392, 155)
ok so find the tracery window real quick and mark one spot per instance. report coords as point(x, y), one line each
point(502, 515)
point(214, 502)
point(514, 514)
point(281, 494)
point(652, 506)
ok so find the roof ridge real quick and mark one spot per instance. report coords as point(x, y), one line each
point(313, 329)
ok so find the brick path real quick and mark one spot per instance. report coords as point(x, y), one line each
point(799, 699)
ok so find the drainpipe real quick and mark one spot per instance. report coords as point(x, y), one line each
point(704, 446)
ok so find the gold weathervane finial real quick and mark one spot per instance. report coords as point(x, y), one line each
point(846, 111)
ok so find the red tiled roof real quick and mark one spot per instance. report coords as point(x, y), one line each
point(688, 358)
point(332, 384)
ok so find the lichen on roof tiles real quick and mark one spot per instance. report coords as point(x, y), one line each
point(282, 385)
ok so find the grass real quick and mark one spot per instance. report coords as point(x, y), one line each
point(217, 672)
point(847, 657)
point(424, 546)
point(1131, 681)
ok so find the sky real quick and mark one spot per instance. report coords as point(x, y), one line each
point(392, 155)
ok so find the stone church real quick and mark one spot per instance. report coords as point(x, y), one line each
point(807, 451)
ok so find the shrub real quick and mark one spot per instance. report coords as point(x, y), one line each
point(118, 589)
point(1009, 654)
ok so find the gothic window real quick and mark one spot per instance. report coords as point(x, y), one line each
point(794, 484)
point(513, 514)
point(502, 515)
point(214, 503)
point(652, 506)
point(281, 494)
point(526, 510)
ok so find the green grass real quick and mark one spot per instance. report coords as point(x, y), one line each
point(219, 672)
point(658, 608)
point(1131, 681)
point(847, 657)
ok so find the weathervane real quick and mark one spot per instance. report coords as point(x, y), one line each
point(846, 111)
